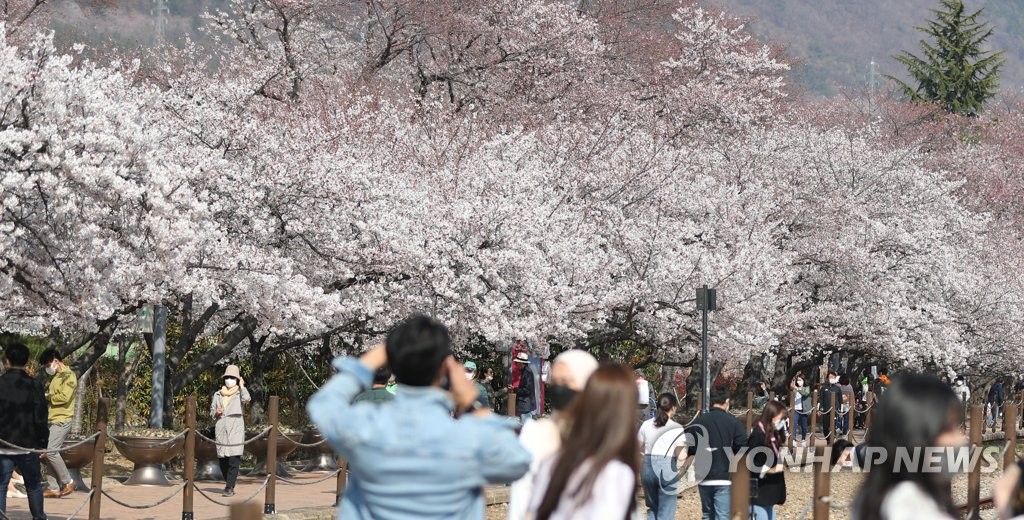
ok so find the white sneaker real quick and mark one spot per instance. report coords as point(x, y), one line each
point(15, 494)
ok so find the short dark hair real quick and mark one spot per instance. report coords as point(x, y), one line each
point(49, 355)
point(416, 349)
point(382, 376)
point(16, 354)
point(719, 395)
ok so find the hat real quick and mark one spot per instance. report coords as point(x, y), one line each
point(522, 357)
point(470, 366)
point(231, 371)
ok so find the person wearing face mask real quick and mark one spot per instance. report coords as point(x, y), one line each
point(831, 387)
point(484, 397)
point(226, 409)
point(918, 415)
point(765, 441)
point(543, 437)
point(660, 479)
point(802, 404)
point(60, 395)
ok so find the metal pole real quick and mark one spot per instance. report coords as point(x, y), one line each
point(156, 408)
point(705, 369)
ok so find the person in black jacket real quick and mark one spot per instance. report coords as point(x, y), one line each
point(767, 438)
point(23, 424)
point(715, 432)
point(526, 393)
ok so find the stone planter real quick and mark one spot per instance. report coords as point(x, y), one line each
point(77, 458)
point(324, 460)
point(208, 467)
point(286, 444)
point(149, 455)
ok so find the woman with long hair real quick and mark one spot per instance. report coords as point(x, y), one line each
point(543, 437)
point(659, 437)
point(593, 475)
point(765, 441)
point(917, 416)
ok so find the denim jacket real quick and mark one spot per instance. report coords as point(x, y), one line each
point(409, 458)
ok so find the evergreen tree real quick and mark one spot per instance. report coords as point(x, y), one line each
point(954, 72)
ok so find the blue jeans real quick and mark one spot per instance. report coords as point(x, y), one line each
point(28, 466)
point(801, 425)
point(763, 513)
point(714, 502)
point(661, 487)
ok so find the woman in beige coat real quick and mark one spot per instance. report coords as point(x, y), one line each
point(226, 409)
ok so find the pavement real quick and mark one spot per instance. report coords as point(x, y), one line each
point(295, 502)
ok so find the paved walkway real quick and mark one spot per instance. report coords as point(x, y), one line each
point(289, 497)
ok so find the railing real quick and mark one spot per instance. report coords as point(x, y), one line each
point(188, 488)
point(822, 503)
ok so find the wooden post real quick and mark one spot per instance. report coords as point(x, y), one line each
point(740, 490)
point(822, 485)
point(814, 419)
point(1010, 433)
point(871, 414)
point(750, 410)
point(830, 439)
point(97, 459)
point(342, 478)
point(850, 417)
point(792, 418)
point(245, 511)
point(190, 459)
point(269, 506)
point(974, 477)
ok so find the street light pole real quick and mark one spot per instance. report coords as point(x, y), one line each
point(706, 302)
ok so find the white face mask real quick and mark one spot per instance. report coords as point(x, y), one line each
point(799, 382)
point(230, 382)
point(469, 376)
point(833, 380)
point(51, 370)
point(780, 424)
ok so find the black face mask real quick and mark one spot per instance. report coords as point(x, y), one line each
point(560, 396)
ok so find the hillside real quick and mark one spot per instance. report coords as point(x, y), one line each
point(833, 41)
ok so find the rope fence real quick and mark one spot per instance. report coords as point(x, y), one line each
point(162, 501)
point(41, 451)
point(256, 493)
point(254, 438)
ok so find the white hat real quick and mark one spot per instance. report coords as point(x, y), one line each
point(522, 357)
point(231, 371)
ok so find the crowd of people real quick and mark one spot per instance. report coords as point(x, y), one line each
point(421, 439)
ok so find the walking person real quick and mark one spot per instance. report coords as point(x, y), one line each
point(570, 372)
point(526, 392)
point(226, 409)
point(23, 408)
point(994, 402)
point(919, 417)
point(846, 391)
point(60, 396)
point(802, 405)
point(410, 458)
point(594, 475)
point(767, 437)
point(720, 431)
point(826, 409)
point(660, 477)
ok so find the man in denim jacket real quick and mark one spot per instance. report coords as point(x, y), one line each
point(409, 458)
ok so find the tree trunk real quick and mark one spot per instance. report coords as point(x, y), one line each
point(76, 419)
point(125, 381)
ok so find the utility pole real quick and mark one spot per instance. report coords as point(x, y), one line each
point(707, 301)
point(156, 409)
point(159, 11)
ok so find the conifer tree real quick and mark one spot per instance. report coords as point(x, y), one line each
point(955, 71)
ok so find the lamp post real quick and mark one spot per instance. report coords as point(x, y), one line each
point(707, 300)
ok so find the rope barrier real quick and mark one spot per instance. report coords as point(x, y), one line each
point(81, 506)
point(167, 442)
point(807, 509)
point(63, 448)
point(333, 474)
point(227, 504)
point(836, 505)
point(312, 445)
point(258, 436)
point(147, 506)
